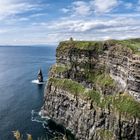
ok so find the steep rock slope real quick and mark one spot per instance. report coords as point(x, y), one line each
point(94, 89)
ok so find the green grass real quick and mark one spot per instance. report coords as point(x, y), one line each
point(68, 85)
point(132, 44)
point(100, 78)
point(92, 74)
point(127, 105)
point(75, 88)
point(89, 45)
point(105, 134)
point(104, 80)
point(95, 96)
point(123, 103)
point(98, 46)
point(59, 68)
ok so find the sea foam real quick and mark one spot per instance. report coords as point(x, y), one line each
point(37, 82)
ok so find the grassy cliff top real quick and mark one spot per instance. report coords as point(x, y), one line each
point(123, 103)
point(80, 45)
point(98, 46)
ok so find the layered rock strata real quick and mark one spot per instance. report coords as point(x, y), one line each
point(94, 90)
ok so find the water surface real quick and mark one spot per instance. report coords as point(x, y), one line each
point(18, 96)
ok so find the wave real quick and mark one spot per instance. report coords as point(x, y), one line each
point(37, 82)
point(37, 117)
point(52, 128)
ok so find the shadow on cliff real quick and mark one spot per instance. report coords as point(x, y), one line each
point(59, 130)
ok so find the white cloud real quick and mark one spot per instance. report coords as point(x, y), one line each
point(2, 31)
point(128, 5)
point(81, 8)
point(81, 29)
point(92, 29)
point(91, 24)
point(81, 25)
point(65, 10)
point(13, 7)
point(85, 8)
point(138, 6)
point(104, 6)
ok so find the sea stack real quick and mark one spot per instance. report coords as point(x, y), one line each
point(40, 76)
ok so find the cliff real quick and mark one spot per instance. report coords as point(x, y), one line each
point(94, 89)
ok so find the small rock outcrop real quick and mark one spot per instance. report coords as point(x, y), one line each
point(94, 89)
point(40, 76)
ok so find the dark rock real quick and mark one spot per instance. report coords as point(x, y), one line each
point(84, 119)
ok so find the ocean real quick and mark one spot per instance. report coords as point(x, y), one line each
point(19, 65)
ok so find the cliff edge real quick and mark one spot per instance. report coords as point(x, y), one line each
point(94, 89)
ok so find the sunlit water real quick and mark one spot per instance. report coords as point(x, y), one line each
point(19, 94)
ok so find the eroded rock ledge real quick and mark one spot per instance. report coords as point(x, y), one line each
point(94, 89)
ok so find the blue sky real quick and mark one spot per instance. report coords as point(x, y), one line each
point(50, 21)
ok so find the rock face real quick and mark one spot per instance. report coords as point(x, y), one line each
point(122, 65)
point(40, 76)
point(94, 90)
point(125, 69)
